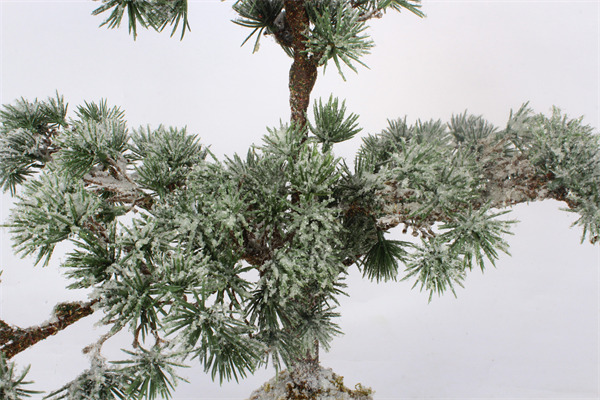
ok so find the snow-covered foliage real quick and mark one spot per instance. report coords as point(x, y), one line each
point(237, 263)
point(156, 14)
point(442, 181)
point(52, 209)
point(166, 157)
point(12, 383)
point(26, 138)
point(568, 153)
point(99, 382)
point(166, 237)
point(88, 144)
point(338, 34)
point(331, 125)
point(148, 374)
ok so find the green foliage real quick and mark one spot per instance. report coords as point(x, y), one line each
point(274, 319)
point(313, 173)
point(474, 234)
point(426, 180)
point(288, 184)
point(411, 5)
point(316, 326)
point(216, 337)
point(422, 132)
point(291, 209)
point(517, 128)
point(150, 374)
point(12, 384)
point(336, 27)
point(468, 131)
point(180, 273)
point(135, 298)
point(204, 220)
point(338, 35)
point(26, 137)
point(471, 236)
point(170, 13)
point(90, 144)
point(51, 209)
point(260, 16)
point(264, 186)
point(38, 116)
point(436, 267)
point(371, 6)
point(99, 382)
point(380, 263)
point(156, 14)
point(166, 157)
point(89, 264)
point(282, 144)
point(331, 125)
point(308, 268)
point(377, 150)
point(568, 152)
point(239, 263)
point(359, 227)
point(92, 112)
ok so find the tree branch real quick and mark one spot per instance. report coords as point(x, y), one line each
point(303, 73)
point(14, 340)
point(374, 13)
point(509, 180)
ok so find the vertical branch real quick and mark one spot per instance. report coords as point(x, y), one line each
point(303, 73)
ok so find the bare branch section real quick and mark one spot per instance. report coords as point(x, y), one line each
point(14, 340)
point(375, 13)
point(303, 73)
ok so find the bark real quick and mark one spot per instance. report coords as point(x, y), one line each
point(302, 78)
point(14, 340)
point(303, 72)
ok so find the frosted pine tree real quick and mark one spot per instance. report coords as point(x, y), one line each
point(237, 263)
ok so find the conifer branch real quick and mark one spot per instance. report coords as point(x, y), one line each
point(14, 340)
point(374, 13)
point(291, 209)
point(303, 72)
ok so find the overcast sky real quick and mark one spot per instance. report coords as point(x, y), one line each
point(527, 329)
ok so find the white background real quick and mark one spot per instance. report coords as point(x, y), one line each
point(528, 329)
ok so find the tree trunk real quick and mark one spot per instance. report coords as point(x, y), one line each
point(303, 73)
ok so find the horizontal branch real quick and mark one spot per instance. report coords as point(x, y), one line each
point(14, 340)
point(375, 13)
point(117, 181)
point(507, 180)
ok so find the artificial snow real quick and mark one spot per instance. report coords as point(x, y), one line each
point(309, 385)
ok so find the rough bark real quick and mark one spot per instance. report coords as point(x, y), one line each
point(14, 340)
point(302, 78)
point(303, 72)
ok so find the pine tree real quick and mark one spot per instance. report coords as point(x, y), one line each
point(240, 262)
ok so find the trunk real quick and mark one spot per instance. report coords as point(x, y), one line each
point(305, 379)
point(303, 73)
point(309, 363)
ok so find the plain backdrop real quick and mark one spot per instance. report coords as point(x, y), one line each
point(527, 329)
